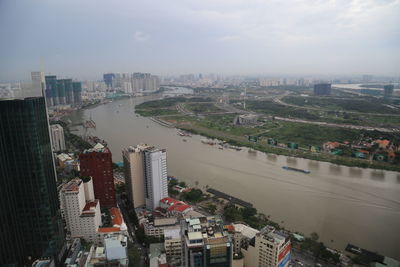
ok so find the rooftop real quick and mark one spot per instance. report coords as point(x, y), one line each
point(245, 230)
point(172, 233)
point(209, 230)
point(73, 185)
point(269, 233)
point(98, 148)
point(90, 208)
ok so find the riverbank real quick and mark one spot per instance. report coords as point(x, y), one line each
point(210, 123)
point(324, 157)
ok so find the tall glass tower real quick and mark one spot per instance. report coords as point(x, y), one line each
point(29, 207)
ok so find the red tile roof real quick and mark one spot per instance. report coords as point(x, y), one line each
point(90, 205)
point(382, 143)
point(179, 207)
point(116, 216)
point(108, 229)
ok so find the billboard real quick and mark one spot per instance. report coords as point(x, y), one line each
point(284, 261)
point(284, 252)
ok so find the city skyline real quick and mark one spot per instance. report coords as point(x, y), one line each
point(235, 37)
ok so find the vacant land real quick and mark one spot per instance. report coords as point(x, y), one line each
point(365, 105)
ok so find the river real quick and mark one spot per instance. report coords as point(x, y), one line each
point(343, 205)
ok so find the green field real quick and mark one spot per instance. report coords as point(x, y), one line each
point(364, 105)
point(202, 107)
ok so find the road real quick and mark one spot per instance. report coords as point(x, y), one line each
point(131, 232)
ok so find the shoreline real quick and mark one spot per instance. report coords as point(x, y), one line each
point(268, 149)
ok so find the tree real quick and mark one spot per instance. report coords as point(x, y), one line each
point(314, 236)
point(248, 212)
point(212, 208)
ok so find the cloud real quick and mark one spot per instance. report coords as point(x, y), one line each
point(140, 36)
point(330, 36)
point(228, 38)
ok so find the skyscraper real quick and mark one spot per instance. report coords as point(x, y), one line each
point(156, 182)
point(57, 137)
point(97, 163)
point(108, 79)
point(29, 217)
point(51, 90)
point(322, 89)
point(38, 82)
point(134, 174)
point(77, 89)
point(146, 175)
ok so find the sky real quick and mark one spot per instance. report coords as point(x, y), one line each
point(84, 38)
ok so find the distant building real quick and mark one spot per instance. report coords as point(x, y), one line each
point(51, 90)
point(108, 79)
point(29, 217)
point(77, 92)
point(57, 137)
point(81, 211)
point(367, 78)
point(322, 89)
point(146, 175)
point(38, 83)
point(246, 119)
point(269, 248)
point(97, 163)
point(388, 90)
point(205, 242)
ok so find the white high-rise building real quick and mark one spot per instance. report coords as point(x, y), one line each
point(155, 176)
point(80, 211)
point(38, 84)
point(57, 137)
point(146, 175)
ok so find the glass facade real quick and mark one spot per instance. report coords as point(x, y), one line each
point(30, 220)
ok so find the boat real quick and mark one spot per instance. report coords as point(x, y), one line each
point(295, 169)
point(220, 147)
point(182, 133)
point(184, 140)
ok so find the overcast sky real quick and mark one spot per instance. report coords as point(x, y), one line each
point(84, 38)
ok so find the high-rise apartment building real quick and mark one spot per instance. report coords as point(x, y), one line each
point(108, 79)
point(80, 210)
point(146, 175)
point(269, 248)
point(57, 137)
point(30, 218)
point(133, 158)
point(388, 90)
point(77, 89)
point(205, 243)
point(62, 91)
point(51, 90)
point(97, 163)
point(322, 89)
point(156, 186)
point(38, 83)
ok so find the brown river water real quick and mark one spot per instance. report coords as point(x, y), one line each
point(343, 205)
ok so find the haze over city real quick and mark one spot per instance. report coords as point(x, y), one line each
point(83, 39)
